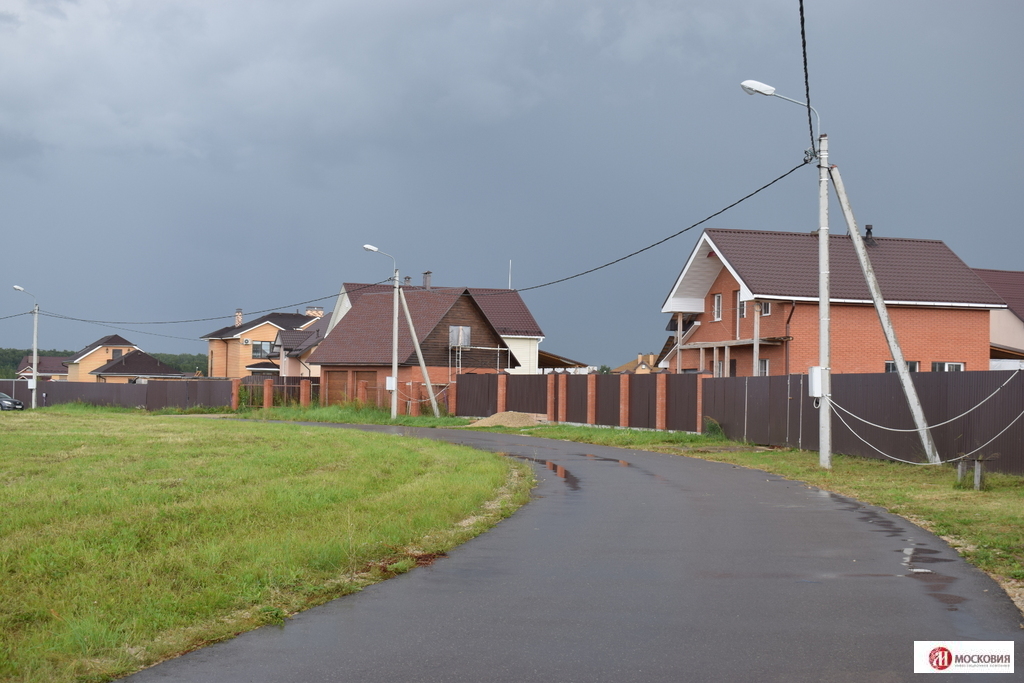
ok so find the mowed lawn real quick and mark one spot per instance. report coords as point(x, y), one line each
point(126, 538)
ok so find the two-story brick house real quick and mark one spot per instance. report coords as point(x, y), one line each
point(747, 297)
point(244, 349)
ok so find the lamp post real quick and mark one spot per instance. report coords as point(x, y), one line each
point(35, 341)
point(824, 322)
point(393, 381)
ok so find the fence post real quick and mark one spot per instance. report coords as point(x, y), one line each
point(361, 391)
point(552, 415)
point(236, 386)
point(268, 393)
point(563, 397)
point(305, 391)
point(502, 392)
point(661, 401)
point(591, 399)
point(414, 400)
point(453, 396)
point(624, 400)
point(700, 403)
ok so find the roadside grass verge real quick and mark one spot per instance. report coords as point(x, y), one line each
point(127, 538)
point(349, 413)
point(986, 527)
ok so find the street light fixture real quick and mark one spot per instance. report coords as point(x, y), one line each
point(393, 380)
point(35, 341)
point(824, 331)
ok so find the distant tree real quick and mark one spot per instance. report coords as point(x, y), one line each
point(9, 359)
point(184, 362)
point(604, 370)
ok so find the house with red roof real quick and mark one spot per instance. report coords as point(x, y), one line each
point(51, 369)
point(454, 334)
point(746, 303)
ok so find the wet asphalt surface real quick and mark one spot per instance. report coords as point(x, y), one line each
point(637, 566)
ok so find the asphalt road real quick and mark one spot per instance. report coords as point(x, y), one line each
point(637, 566)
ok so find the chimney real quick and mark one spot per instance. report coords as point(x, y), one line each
point(238, 317)
point(639, 358)
point(408, 281)
point(426, 279)
point(869, 240)
point(315, 311)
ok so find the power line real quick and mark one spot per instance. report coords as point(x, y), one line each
point(16, 315)
point(807, 79)
point(674, 235)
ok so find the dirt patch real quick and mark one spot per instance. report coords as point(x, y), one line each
point(509, 419)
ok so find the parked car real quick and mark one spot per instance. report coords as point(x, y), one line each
point(10, 403)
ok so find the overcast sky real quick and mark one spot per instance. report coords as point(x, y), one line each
point(167, 160)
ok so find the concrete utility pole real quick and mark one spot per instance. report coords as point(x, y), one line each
point(419, 356)
point(35, 343)
point(393, 380)
point(909, 390)
point(824, 312)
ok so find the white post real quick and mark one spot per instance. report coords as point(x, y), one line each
point(824, 312)
point(909, 390)
point(757, 339)
point(35, 353)
point(419, 356)
point(394, 353)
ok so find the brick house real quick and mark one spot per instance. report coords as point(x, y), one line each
point(746, 292)
point(454, 334)
point(1007, 325)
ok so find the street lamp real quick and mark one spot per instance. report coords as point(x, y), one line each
point(393, 380)
point(824, 331)
point(35, 341)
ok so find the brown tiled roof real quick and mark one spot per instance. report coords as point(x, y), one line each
point(363, 336)
point(139, 364)
point(109, 340)
point(316, 331)
point(1009, 284)
point(785, 264)
point(285, 321)
point(504, 308)
point(48, 365)
point(546, 359)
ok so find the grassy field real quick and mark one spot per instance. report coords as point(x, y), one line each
point(986, 527)
point(127, 538)
point(350, 413)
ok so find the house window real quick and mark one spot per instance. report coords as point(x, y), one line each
point(947, 367)
point(458, 336)
point(716, 307)
point(912, 366)
point(261, 349)
point(116, 353)
point(766, 308)
point(719, 368)
point(741, 307)
point(762, 367)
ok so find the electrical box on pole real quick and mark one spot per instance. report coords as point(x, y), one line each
point(814, 381)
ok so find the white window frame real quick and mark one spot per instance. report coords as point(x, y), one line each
point(948, 367)
point(716, 307)
point(763, 363)
point(766, 308)
point(912, 366)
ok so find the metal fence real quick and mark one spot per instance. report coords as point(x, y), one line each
point(151, 396)
point(286, 391)
point(776, 411)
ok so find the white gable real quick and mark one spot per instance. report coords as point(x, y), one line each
point(699, 273)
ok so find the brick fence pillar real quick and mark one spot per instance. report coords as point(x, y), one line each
point(591, 399)
point(563, 397)
point(268, 393)
point(552, 402)
point(453, 396)
point(236, 387)
point(661, 402)
point(502, 392)
point(305, 391)
point(624, 400)
point(700, 403)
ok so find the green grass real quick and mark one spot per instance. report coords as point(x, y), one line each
point(127, 538)
point(350, 413)
point(986, 527)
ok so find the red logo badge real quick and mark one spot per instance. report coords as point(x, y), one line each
point(940, 658)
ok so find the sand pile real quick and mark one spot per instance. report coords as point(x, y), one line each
point(509, 419)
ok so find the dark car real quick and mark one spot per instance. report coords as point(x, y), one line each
point(10, 403)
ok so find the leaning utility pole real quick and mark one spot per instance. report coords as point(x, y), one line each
point(883, 316)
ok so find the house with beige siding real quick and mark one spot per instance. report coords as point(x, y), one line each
point(746, 303)
point(1006, 335)
point(244, 349)
point(96, 355)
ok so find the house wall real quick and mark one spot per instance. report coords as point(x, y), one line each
point(464, 313)
point(228, 357)
point(525, 350)
point(1006, 328)
point(79, 372)
point(925, 334)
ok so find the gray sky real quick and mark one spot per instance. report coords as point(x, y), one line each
point(174, 160)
